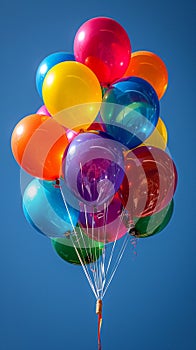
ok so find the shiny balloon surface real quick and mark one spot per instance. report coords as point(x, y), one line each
point(149, 66)
point(68, 84)
point(49, 62)
point(93, 168)
point(45, 210)
point(38, 144)
point(80, 249)
point(152, 180)
point(103, 45)
point(150, 225)
point(130, 111)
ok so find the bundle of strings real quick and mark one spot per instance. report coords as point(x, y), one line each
point(101, 269)
point(99, 313)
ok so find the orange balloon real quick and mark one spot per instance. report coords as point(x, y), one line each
point(147, 65)
point(38, 144)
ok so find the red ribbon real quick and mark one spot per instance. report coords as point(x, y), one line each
point(99, 330)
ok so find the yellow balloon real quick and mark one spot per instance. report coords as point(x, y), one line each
point(68, 84)
point(158, 138)
point(78, 117)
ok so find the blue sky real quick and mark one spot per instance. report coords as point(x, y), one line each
point(44, 302)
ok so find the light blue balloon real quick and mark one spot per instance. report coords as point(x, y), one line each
point(49, 62)
point(130, 111)
point(62, 192)
point(45, 210)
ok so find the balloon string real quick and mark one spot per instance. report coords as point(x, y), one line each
point(99, 313)
point(102, 260)
point(77, 252)
point(97, 269)
point(115, 241)
point(120, 255)
point(93, 265)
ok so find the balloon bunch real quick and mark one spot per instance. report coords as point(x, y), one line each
point(96, 151)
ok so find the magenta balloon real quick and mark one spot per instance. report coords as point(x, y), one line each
point(100, 218)
point(107, 233)
point(43, 110)
point(103, 45)
point(71, 134)
point(105, 225)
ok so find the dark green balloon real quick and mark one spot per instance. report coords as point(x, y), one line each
point(88, 250)
point(150, 225)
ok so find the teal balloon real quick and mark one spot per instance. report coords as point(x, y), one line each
point(45, 210)
point(130, 111)
point(150, 225)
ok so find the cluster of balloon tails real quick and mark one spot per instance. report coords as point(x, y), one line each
point(95, 169)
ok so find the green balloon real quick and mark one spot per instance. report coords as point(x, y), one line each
point(149, 225)
point(88, 249)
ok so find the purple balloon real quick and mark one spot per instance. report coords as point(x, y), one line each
point(93, 168)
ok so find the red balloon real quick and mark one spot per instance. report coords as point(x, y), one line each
point(152, 180)
point(38, 144)
point(96, 127)
point(103, 45)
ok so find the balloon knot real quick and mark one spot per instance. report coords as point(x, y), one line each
point(133, 232)
point(99, 307)
point(57, 183)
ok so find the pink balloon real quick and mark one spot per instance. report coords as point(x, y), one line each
point(43, 110)
point(104, 225)
point(102, 217)
point(107, 233)
point(103, 45)
point(71, 134)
